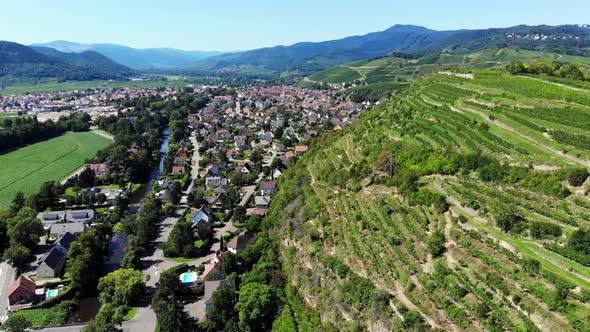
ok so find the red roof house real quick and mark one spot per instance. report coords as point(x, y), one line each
point(21, 291)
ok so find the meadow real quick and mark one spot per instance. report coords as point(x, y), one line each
point(28, 167)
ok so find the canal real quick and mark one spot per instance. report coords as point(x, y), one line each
point(89, 306)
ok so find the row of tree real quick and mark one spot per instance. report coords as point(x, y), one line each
point(19, 131)
point(552, 69)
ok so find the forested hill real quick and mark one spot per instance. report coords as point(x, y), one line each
point(309, 57)
point(461, 204)
point(22, 63)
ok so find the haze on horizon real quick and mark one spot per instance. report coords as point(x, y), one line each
point(199, 25)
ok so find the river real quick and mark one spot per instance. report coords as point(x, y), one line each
point(89, 306)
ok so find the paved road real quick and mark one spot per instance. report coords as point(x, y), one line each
point(7, 277)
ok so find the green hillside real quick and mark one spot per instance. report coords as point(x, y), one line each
point(460, 204)
point(394, 68)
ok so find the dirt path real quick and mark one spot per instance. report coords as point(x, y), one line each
point(511, 129)
point(557, 84)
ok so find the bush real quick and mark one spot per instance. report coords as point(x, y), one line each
point(577, 177)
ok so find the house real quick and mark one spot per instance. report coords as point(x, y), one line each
point(276, 173)
point(268, 188)
point(178, 170)
point(213, 267)
point(179, 161)
point(64, 242)
point(239, 243)
point(241, 143)
point(211, 287)
point(51, 217)
point(211, 170)
point(182, 152)
point(215, 202)
point(80, 216)
point(214, 182)
point(201, 220)
point(51, 265)
point(22, 290)
point(255, 211)
point(59, 230)
point(99, 169)
point(232, 153)
point(301, 149)
point(262, 201)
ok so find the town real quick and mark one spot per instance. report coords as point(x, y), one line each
point(215, 181)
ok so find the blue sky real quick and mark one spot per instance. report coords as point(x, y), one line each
point(247, 24)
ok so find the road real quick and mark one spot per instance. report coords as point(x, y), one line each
point(248, 192)
point(7, 277)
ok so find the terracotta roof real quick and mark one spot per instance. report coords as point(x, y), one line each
point(23, 282)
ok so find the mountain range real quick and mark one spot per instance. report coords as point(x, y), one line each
point(68, 60)
point(139, 59)
point(22, 63)
point(306, 58)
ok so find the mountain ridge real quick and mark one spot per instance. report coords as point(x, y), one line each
point(135, 58)
point(20, 63)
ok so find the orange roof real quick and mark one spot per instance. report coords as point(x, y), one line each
point(24, 282)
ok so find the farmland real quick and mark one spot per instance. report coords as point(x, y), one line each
point(412, 199)
point(27, 168)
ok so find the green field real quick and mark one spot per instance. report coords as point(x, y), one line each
point(393, 68)
point(27, 168)
point(83, 85)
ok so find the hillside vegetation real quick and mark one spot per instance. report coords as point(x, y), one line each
point(19, 63)
point(461, 204)
point(402, 69)
point(306, 58)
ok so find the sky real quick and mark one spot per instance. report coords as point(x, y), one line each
point(247, 24)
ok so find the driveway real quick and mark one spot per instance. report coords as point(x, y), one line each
point(7, 277)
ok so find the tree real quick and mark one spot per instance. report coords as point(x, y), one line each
point(436, 243)
point(506, 218)
point(87, 178)
point(239, 213)
point(223, 308)
point(85, 258)
point(181, 241)
point(17, 255)
point(166, 305)
point(256, 307)
point(108, 319)
point(18, 202)
point(25, 228)
point(253, 223)
point(17, 324)
point(230, 263)
point(122, 287)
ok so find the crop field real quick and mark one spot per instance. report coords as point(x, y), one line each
point(355, 218)
point(27, 168)
point(392, 68)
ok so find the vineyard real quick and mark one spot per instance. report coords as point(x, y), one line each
point(389, 68)
point(453, 206)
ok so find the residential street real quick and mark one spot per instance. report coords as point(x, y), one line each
point(7, 277)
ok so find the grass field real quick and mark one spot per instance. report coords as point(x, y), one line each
point(82, 85)
point(27, 168)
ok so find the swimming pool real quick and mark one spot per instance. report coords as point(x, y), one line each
point(188, 277)
point(52, 293)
